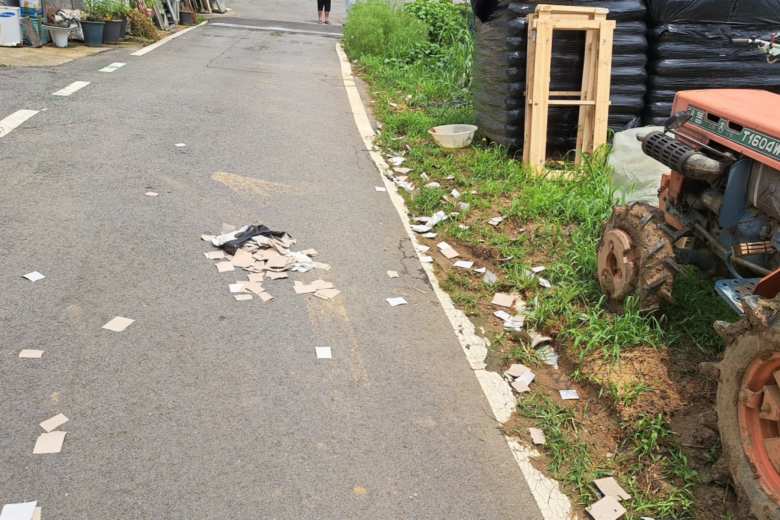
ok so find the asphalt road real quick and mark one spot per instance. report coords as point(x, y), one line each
point(208, 408)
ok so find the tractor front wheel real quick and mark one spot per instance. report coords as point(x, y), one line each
point(635, 258)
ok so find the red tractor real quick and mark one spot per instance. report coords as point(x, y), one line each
point(718, 208)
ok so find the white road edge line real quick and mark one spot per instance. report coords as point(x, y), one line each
point(8, 124)
point(275, 29)
point(552, 503)
point(150, 48)
point(114, 66)
point(72, 88)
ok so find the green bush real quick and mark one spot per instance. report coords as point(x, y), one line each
point(447, 22)
point(377, 28)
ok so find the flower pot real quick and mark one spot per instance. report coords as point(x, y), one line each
point(93, 33)
point(186, 18)
point(111, 32)
point(59, 35)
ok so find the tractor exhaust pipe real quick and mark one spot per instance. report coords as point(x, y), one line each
point(682, 158)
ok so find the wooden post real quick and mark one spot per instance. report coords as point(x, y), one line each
point(593, 96)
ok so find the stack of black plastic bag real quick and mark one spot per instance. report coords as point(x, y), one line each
point(500, 66)
point(692, 48)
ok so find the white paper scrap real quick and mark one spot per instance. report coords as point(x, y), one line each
point(242, 297)
point(544, 282)
point(393, 274)
point(537, 436)
point(151, 194)
point(237, 287)
point(503, 299)
point(464, 264)
point(608, 508)
point(30, 354)
point(480, 270)
point(430, 234)
point(380, 188)
point(426, 259)
point(421, 248)
point(224, 267)
point(323, 352)
point(20, 511)
point(118, 324)
point(54, 422)
point(609, 487)
point(455, 193)
point(569, 395)
point(421, 228)
point(394, 302)
point(180, 145)
point(495, 221)
point(49, 443)
point(396, 161)
point(538, 269)
point(34, 276)
point(214, 255)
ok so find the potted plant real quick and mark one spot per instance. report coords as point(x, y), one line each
point(94, 23)
point(124, 11)
point(59, 26)
point(113, 16)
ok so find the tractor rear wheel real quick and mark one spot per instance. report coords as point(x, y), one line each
point(748, 408)
point(635, 258)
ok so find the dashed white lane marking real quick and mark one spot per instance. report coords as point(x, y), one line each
point(70, 89)
point(114, 66)
point(8, 124)
point(150, 48)
point(276, 29)
point(552, 503)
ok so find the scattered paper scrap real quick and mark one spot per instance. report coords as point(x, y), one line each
point(421, 228)
point(608, 508)
point(426, 259)
point(544, 282)
point(323, 352)
point(49, 443)
point(398, 300)
point(380, 188)
point(548, 355)
point(538, 339)
point(464, 264)
point(421, 248)
point(237, 287)
point(402, 171)
point(396, 161)
point(224, 267)
point(34, 276)
point(455, 193)
point(243, 259)
point(538, 269)
point(151, 194)
point(30, 354)
point(537, 436)
point(54, 422)
point(495, 221)
point(447, 250)
point(490, 278)
point(393, 274)
point(569, 395)
point(433, 184)
point(327, 294)
point(609, 487)
point(256, 277)
point(430, 234)
point(520, 387)
point(20, 511)
point(517, 369)
point(207, 238)
point(266, 297)
point(214, 255)
point(480, 270)
point(271, 275)
point(118, 324)
point(180, 145)
point(242, 297)
point(504, 299)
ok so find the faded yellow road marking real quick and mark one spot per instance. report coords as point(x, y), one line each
point(241, 184)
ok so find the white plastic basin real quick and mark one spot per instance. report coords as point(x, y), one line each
point(453, 136)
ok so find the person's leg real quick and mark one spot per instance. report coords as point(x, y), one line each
point(320, 8)
point(327, 11)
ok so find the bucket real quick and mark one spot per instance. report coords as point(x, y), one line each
point(453, 136)
point(93, 33)
point(59, 35)
point(111, 31)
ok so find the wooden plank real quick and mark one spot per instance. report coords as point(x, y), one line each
point(529, 92)
point(602, 84)
point(585, 118)
point(570, 9)
point(571, 25)
point(571, 102)
point(565, 93)
point(537, 147)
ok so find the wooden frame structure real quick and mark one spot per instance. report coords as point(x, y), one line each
point(593, 96)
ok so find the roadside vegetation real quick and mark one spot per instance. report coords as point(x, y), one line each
point(636, 372)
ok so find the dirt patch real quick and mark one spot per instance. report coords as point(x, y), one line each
point(639, 382)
